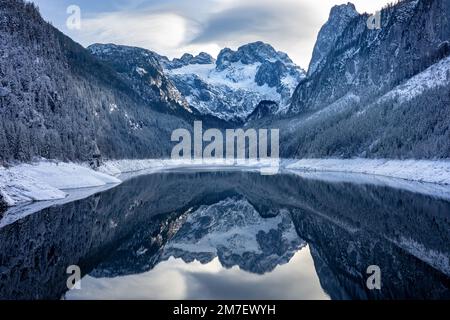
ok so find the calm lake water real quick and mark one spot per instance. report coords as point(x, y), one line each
point(232, 235)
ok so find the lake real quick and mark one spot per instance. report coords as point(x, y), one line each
point(233, 235)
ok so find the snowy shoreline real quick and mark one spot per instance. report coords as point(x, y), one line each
point(51, 180)
point(428, 171)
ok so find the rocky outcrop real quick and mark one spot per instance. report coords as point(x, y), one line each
point(264, 109)
point(186, 59)
point(340, 16)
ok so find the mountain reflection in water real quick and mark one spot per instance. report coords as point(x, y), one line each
point(232, 235)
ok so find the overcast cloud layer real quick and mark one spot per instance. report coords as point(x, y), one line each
point(173, 27)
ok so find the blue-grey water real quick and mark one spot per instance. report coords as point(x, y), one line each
point(232, 235)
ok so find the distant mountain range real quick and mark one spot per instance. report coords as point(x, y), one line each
point(367, 93)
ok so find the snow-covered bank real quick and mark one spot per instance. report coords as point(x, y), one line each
point(121, 167)
point(51, 181)
point(429, 171)
point(413, 170)
point(46, 180)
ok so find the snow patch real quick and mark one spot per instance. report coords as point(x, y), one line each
point(141, 71)
point(113, 107)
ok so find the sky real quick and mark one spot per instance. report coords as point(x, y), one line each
point(174, 27)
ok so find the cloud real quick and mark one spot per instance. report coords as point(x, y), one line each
point(173, 27)
point(286, 25)
point(159, 32)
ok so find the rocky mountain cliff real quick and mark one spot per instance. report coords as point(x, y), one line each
point(369, 62)
point(142, 69)
point(340, 16)
point(377, 92)
point(186, 59)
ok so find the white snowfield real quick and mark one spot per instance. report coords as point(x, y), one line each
point(235, 85)
point(48, 180)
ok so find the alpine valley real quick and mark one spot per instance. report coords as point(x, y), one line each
point(362, 185)
point(367, 93)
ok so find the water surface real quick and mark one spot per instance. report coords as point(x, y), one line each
point(232, 235)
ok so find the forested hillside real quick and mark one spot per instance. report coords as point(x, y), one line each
point(57, 101)
point(369, 93)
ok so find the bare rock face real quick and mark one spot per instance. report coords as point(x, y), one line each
point(339, 18)
point(3, 206)
point(142, 69)
point(264, 109)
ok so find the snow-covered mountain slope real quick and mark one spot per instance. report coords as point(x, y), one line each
point(377, 92)
point(437, 75)
point(235, 232)
point(231, 87)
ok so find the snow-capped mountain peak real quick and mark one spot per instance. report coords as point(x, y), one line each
point(231, 87)
point(251, 53)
